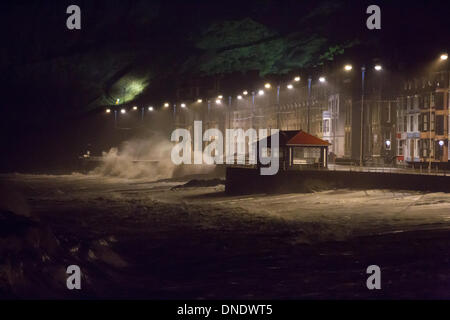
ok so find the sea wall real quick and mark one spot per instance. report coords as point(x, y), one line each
point(247, 180)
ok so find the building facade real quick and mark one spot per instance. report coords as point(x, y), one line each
point(423, 121)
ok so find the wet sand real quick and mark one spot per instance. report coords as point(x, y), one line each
point(143, 239)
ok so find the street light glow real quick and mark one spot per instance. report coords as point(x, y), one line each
point(297, 79)
point(183, 105)
point(166, 105)
point(134, 108)
point(378, 67)
point(322, 79)
point(218, 101)
point(239, 97)
point(441, 143)
point(348, 67)
point(123, 111)
point(220, 96)
point(199, 100)
point(150, 108)
point(245, 92)
point(117, 101)
point(267, 86)
point(290, 86)
point(261, 92)
point(444, 56)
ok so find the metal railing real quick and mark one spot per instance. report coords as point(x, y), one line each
point(387, 169)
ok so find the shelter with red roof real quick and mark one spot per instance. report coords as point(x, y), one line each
point(299, 149)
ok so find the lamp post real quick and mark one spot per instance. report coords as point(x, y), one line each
point(253, 108)
point(361, 153)
point(278, 107)
point(442, 58)
point(348, 68)
point(430, 141)
point(309, 102)
point(229, 112)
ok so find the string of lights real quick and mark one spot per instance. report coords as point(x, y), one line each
point(218, 100)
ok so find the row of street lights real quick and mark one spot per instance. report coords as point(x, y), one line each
point(123, 110)
point(260, 92)
point(290, 86)
point(219, 98)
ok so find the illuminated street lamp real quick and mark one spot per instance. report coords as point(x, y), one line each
point(220, 96)
point(378, 67)
point(239, 97)
point(297, 79)
point(108, 110)
point(135, 108)
point(441, 143)
point(388, 144)
point(290, 86)
point(261, 92)
point(123, 111)
point(183, 105)
point(245, 92)
point(444, 56)
point(218, 101)
point(267, 86)
point(150, 108)
point(199, 100)
point(348, 67)
point(166, 105)
point(322, 79)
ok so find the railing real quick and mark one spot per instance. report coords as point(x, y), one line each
point(388, 169)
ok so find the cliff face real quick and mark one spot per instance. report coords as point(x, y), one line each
point(136, 49)
point(60, 72)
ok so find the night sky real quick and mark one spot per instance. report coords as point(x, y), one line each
point(55, 79)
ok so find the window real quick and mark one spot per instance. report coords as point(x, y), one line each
point(425, 122)
point(400, 147)
point(411, 148)
point(426, 147)
point(416, 102)
point(411, 123)
point(425, 101)
point(400, 124)
point(326, 126)
point(440, 124)
point(389, 113)
point(439, 100)
point(432, 121)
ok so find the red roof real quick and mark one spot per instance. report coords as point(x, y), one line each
point(305, 139)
